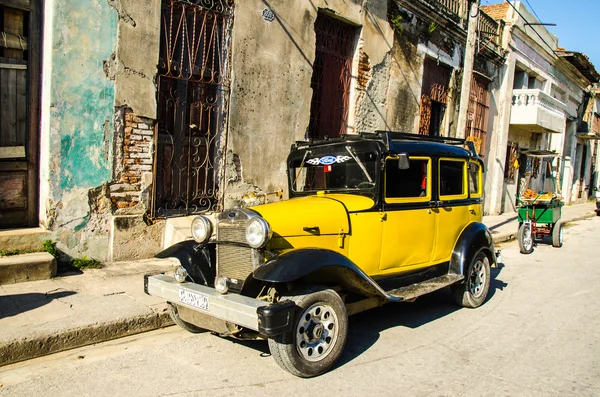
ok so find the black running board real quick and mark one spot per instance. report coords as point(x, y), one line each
point(415, 290)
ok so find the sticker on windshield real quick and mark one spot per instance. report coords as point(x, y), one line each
point(328, 160)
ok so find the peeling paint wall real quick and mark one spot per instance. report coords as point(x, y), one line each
point(99, 57)
point(78, 103)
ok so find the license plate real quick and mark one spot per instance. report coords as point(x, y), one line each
point(193, 299)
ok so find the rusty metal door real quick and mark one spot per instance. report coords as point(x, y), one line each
point(477, 113)
point(332, 74)
point(193, 94)
point(19, 112)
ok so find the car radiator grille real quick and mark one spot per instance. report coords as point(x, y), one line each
point(233, 261)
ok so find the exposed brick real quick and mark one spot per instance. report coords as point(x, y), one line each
point(128, 130)
point(125, 204)
point(123, 187)
point(143, 126)
point(142, 132)
point(141, 167)
point(134, 195)
point(135, 137)
point(133, 149)
point(128, 116)
point(140, 155)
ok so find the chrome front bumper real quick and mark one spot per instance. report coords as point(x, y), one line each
point(234, 308)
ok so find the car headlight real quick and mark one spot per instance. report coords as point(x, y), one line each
point(258, 232)
point(201, 229)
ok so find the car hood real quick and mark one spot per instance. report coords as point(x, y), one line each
point(320, 214)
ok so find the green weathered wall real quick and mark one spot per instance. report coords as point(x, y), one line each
point(82, 97)
point(77, 124)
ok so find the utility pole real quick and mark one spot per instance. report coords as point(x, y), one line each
point(465, 91)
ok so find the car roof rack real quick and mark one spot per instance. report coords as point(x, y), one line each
point(342, 138)
point(387, 137)
point(391, 136)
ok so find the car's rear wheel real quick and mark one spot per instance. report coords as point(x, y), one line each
point(183, 324)
point(473, 291)
point(557, 235)
point(319, 334)
point(525, 237)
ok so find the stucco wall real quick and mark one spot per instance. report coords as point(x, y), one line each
point(272, 70)
point(271, 93)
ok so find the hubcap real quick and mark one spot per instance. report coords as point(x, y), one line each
point(478, 279)
point(527, 238)
point(316, 332)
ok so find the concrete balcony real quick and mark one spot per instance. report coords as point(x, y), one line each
point(536, 111)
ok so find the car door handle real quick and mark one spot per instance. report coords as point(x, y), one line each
point(312, 230)
point(435, 204)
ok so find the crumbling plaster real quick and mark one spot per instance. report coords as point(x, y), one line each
point(77, 112)
point(98, 55)
point(133, 65)
point(272, 70)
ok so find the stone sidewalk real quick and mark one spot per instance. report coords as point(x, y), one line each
point(48, 316)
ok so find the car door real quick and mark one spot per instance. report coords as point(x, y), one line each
point(453, 205)
point(408, 234)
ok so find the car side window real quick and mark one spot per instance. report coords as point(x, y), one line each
point(408, 185)
point(453, 179)
point(475, 178)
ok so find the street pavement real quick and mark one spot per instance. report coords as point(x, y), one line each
point(536, 335)
point(49, 316)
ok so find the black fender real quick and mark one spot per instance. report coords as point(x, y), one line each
point(198, 259)
point(474, 238)
point(321, 266)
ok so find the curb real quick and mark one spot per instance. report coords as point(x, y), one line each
point(26, 349)
point(506, 237)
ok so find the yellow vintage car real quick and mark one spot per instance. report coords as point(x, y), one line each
point(371, 219)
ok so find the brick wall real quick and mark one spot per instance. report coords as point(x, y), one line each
point(137, 155)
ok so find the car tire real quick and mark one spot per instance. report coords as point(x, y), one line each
point(473, 291)
point(557, 235)
point(185, 325)
point(319, 334)
point(525, 237)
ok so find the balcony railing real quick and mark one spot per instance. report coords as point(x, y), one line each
point(454, 9)
point(490, 31)
point(537, 111)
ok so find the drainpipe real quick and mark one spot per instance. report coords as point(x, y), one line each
point(465, 91)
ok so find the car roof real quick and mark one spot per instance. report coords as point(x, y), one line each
point(395, 142)
point(428, 148)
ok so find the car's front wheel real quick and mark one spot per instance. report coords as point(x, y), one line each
point(319, 334)
point(473, 291)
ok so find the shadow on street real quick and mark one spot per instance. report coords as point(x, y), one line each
point(11, 305)
point(365, 328)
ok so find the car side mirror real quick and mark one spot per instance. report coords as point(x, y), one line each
point(403, 162)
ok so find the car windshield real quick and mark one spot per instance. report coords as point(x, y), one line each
point(340, 168)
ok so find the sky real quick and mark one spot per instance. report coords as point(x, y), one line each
point(577, 23)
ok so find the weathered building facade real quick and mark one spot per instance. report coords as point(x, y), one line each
point(156, 110)
point(540, 107)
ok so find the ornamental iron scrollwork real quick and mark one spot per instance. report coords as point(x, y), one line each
point(192, 96)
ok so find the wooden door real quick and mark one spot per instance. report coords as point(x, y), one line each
point(19, 111)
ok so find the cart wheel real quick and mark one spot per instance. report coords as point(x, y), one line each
point(525, 236)
point(557, 235)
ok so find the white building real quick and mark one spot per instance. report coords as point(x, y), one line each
point(544, 91)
